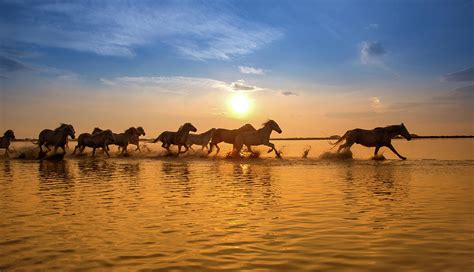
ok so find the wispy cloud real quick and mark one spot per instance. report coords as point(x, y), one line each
point(118, 28)
point(463, 75)
point(371, 52)
point(185, 85)
point(251, 70)
point(288, 93)
point(8, 65)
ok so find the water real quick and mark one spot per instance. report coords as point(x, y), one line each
point(205, 214)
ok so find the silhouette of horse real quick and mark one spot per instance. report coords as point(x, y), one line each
point(178, 138)
point(5, 140)
point(258, 137)
point(227, 136)
point(123, 139)
point(378, 137)
point(56, 138)
point(200, 139)
point(97, 140)
point(134, 140)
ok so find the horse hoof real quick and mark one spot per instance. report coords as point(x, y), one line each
point(404, 158)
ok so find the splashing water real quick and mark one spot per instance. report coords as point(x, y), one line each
point(306, 152)
point(343, 155)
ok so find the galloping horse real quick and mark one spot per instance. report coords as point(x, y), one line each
point(227, 136)
point(178, 138)
point(378, 137)
point(123, 139)
point(200, 139)
point(100, 139)
point(5, 140)
point(56, 138)
point(135, 138)
point(258, 137)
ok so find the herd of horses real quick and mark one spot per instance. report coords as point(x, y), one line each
point(246, 136)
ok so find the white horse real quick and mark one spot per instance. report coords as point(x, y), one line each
point(202, 139)
point(259, 137)
point(378, 137)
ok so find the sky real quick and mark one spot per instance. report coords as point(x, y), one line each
point(318, 68)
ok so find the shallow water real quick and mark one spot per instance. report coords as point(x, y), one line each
point(204, 214)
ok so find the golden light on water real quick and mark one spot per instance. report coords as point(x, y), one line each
point(240, 104)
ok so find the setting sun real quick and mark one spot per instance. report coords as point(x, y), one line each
point(240, 104)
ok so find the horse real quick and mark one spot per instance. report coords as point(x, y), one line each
point(178, 138)
point(200, 139)
point(99, 139)
point(135, 138)
point(378, 137)
point(258, 137)
point(227, 136)
point(56, 138)
point(123, 139)
point(5, 140)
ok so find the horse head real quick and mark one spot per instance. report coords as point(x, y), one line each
point(141, 131)
point(68, 130)
point(109, 136)
point(9, 134)
point(131, 131)
point(273, 125)
point(404, 132)
point(188, 127)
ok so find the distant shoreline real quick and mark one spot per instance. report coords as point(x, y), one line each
point(314, 138)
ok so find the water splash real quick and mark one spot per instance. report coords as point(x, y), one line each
point(306, 152)
point(343, 155)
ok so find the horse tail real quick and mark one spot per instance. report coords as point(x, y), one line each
point(159, 138)
point(339, 140)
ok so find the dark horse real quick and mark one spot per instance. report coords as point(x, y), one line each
point(227, 136)
point(56, 138)
point(378, 137)
point(178, 138)
point(5, 140)
point(97, 140)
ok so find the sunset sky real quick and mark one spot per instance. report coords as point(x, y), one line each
point(316, 67)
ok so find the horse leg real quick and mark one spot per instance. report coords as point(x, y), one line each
point(218, 149)
point(191, 147)
point(138, 148)
point(209, 151)
point(346, 145)
point(273, 148)
point(250, 149)
point(395, 151)
point(376, 150)
point(104, 148)
point(93, 151)
point(74, 152)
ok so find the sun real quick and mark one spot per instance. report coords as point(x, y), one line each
point(240, 104)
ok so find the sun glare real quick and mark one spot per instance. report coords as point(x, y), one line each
point(240, 104)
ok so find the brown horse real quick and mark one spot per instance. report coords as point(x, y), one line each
point(123, 139)
point(56, 138)
point(135, 140)
point(5, 140)
point(97, 140)
point(227, 136)
point(258, 137)
point(178, 138)
point(377, 137)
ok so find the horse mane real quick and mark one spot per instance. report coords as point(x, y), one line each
point(61, 126)
point(246, 125)
point(8, 132)
point(130, 129)
point(268, 122)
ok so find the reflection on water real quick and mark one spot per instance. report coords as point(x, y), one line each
point(203, 214)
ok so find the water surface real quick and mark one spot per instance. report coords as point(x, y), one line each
point(204, 214)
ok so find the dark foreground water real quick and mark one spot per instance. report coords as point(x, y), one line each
point(202, 214)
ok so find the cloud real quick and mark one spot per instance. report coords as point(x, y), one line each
point(183, 85)
point(251, 70)
point(288, 93)
point(371, 52)
point(10, 65)
point(463, 75)
point(118, 28)
point(463, 94)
